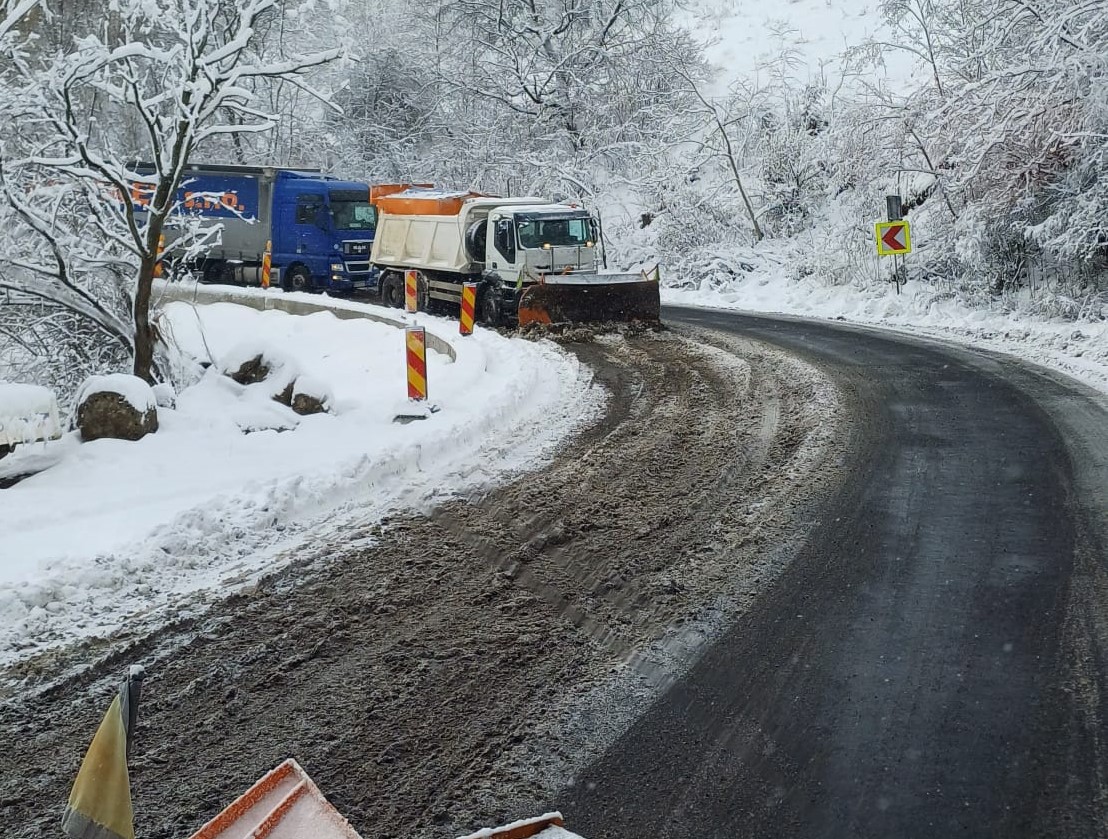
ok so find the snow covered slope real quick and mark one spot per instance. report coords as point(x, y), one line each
point(747, 38)
point(233, 479)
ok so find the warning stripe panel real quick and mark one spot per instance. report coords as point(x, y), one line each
point(416, 340)
point(468, 309)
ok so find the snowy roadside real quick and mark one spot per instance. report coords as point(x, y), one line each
point(1076, 348)
point(234, 481)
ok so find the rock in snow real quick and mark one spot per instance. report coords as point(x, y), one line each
point(117, 406)
point(310, 396)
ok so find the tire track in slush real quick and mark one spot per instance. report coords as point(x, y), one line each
point(455, 669)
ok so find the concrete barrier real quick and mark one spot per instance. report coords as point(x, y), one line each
point(266, 300)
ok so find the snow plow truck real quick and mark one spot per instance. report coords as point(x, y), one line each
point(533, 261)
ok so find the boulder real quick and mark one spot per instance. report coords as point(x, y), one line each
point(117, 407)
point(251, 372)
point(310, 396)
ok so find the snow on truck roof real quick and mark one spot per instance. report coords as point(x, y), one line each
point(439, 202)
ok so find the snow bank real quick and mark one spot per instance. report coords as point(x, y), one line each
point(1079, 349)
point(233, 480)
point(27, 413)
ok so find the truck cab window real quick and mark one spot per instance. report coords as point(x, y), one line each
point(555, 232)
point(504, 241)
point(354, 215)
point(308, 208)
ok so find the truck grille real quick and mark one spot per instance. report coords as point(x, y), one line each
point(357, 248)
point(357, 267)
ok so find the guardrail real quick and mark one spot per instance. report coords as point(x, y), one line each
point(294, 304)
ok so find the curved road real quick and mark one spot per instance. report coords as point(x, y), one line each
point(933, 662)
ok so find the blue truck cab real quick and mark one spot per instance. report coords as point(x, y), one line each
point(320, 228)
point(322, 232)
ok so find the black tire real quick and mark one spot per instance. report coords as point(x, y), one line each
point(215, 271)
point(392, 290)
point(297, 278)
point(490, 308)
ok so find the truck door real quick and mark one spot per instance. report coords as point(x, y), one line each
point(313, 236)
point(503, 244)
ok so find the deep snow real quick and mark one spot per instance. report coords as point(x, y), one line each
point(233, 480)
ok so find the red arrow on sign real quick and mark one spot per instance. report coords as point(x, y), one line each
point(893, 238)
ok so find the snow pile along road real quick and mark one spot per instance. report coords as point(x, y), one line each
point(1077, 348)
point(234, 480)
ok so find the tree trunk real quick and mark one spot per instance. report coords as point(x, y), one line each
point(145, 337)
point(144, 332)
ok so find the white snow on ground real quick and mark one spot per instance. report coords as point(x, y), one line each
point(27, 413)
point(1079, 349)
point(119, 529)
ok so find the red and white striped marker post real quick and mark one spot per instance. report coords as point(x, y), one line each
point(267, 263)
point(411, 289)
point(416, 338)
point(469, 308)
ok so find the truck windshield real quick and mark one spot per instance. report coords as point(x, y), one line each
point(354, 215)
point(555, 232)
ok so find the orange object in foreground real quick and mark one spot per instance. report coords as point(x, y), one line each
point(284, 803)
point(416, 339)
point(469, 308)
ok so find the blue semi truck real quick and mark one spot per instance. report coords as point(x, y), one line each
point(321, 228)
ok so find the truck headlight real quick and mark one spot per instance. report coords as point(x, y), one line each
point(336, 267)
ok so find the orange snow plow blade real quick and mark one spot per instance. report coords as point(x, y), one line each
point(591, 298)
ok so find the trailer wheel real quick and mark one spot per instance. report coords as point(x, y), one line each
point(297, 278)
point(392, 290)
point(216, 271)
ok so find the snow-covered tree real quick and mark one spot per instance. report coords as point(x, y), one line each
point(82, 221)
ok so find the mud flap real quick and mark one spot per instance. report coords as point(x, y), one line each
point(594, 299)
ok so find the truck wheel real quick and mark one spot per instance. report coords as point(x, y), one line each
point(297, 278)
point(490, 309)
point(392, 290)
point(215, 271)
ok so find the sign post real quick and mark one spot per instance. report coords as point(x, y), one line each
point(894, 238)
point(411, 291)
point(267, 263)
point(468, 308)
point(416, 340)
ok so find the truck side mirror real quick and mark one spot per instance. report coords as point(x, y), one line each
point(323, 218)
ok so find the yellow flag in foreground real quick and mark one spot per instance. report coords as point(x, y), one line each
point(100, 803)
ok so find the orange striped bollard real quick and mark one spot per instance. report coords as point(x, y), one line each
point(416, 337)
point(469, 308)
point(410, 291)
point(267, 263)
point(158, 268)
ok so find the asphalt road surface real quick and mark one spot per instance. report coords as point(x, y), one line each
point(933, 662)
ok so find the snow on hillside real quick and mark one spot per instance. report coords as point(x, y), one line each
point(746, 38)
point(233, 479)
point(1078, 349)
